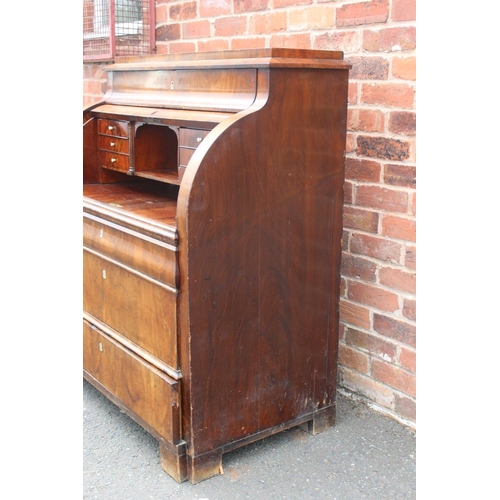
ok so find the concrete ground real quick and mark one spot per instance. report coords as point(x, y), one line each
point(365, 456)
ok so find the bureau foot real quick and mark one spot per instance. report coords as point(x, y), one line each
point(173, 464)
point(322, 420)
point(204, 466)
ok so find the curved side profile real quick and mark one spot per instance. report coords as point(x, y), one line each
point(213, 191)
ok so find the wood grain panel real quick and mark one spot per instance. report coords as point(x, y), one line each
point(142, 388)
point(143, 310)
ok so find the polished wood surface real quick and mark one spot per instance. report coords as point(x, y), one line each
point(223, 275)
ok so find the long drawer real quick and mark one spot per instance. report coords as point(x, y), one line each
point(140, 308)
point(151, 394)
point(147, 255)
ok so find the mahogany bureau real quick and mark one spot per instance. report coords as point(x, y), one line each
point(212, 223)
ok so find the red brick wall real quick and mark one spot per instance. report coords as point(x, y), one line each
point(378, 330)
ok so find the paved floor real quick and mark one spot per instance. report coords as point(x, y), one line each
point(365, 456)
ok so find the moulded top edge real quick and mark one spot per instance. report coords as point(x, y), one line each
point(234, 59)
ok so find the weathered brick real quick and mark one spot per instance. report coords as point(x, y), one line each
point(162, 48)
point(248, 43)
point(168, 32)
point(353, 358)
point(401, 228)
point(410, 309)
point(404, 68)
point(365, 120)
point(411, 257)
point(161, 14)
point(408, 359)
point(394, 377)
point(249, 5)
point(354, 14)
point(383, 148)
point(286, 3)
point(404, 10)
point(357, 267)
point(213, 45)
point(296, 41)
point(267, 23)
point(378, 248)
point(196, 29)
point(365, 386)
point(363, 220)
point(230, 26)
point(372, 296)
point(400, 175)
point(362, 170)
point(347, 41)
point(391, 200)
point(398, 279)
point(390, 39)
point(348, 187)
point(397, 95)
point(343, 287)
point(213, 8)
point(182, 47)
point(368, 68)
point(395, 329)
point(350, 142)
point(183, 11)
point(375, 346)
point(405, 406)
point(354, 314)
point(403, 122)
point(313, 17)
point(345, 240)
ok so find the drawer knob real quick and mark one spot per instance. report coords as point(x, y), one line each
point(198, 139)
point(111, 144)
point(113, 160)
point(104, 273)
point(110, 127)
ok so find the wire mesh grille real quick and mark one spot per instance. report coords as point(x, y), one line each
point(117, 27)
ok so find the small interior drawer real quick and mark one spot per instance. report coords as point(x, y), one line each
point(115, 161)
point(191, 138)
point(108, 143)
point(112, 127)
point(185, 155)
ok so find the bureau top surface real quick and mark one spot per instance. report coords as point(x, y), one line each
point(270, 57)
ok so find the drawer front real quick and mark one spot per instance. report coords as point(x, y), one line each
point(191, 138)
point(151, 394)
point(185, 156)
point(114, 161)
point(112, 127)
point(142, 310)
point(108, 143)
point(147, 255)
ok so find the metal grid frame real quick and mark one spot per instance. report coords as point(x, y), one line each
point(114, 28)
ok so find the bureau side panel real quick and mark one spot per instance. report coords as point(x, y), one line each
point(261, 238)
